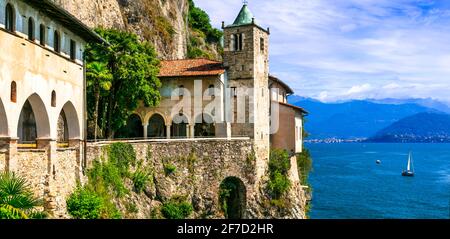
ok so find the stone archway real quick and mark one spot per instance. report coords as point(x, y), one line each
point(3, 121)
point(233, 198)
point(132, 129)
point(179, 126)
point(204, 126)
point(68, 124)
point(156, 126)
point(33, 120)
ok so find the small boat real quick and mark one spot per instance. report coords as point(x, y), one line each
point(378, 161)
point(409, 172)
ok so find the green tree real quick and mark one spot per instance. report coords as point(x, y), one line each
point(16, 199)
point(85, 204)
point(99, 78)
point(199, 20)
point(133, 66)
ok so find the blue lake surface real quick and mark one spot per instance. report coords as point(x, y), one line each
point(347, 183)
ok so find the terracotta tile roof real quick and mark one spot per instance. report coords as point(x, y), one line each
point(288, 89)
point(294, 107)
point(191, 67)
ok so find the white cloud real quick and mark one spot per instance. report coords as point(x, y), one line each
point(331, 49)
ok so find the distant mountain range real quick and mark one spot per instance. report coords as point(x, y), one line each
point(360, 118)
point(422, 127)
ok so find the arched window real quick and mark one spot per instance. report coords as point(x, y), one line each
point(62, 130)
point(179, 126)
point(10, 18)
point(211, 90)
point(181, 90)
point(132, 129)
point(156, 127)
point(53, 99)
point(31, 29)
point(57, 42)
point(42, 34)
point(13, 92)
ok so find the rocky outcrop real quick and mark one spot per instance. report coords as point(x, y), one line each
point(162, 22)
point(199, 168)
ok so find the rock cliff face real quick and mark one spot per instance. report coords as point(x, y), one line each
point(162, 22)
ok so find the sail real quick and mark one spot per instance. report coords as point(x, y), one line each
point(409, 162)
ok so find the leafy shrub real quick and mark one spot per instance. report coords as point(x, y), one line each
point(106, 176)
point(199, 20)
point(176, 209)
point(123, 156)
point(279, 161)
point(279, 165)
point(169, 169)
point(84, 204)
point(131, 207)
point(140, 180)
point(278, 185)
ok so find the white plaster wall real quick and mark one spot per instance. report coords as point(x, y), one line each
point(299, 141)
point(38, 71)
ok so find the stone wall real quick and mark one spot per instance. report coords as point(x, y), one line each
point(201, 166)
point(64, 179)
point(2, 160)
point(33, 165)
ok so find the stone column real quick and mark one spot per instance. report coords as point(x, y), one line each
point(50, 190)
point(78, 145)
point(168, 131)
point(145, 131)
point(191, 128)
point(9, 145)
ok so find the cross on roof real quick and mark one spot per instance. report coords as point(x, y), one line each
point(245, 2)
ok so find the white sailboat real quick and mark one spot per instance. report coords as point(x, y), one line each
point(409, 172)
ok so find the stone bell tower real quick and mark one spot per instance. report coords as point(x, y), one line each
point(246, 58)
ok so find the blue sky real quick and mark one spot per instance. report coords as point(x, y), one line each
point(335, 50)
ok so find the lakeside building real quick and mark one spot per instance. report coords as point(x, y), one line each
point(42, 112)
point(232, 98)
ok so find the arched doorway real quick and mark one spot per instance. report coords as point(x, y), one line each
point(232, 198)
point(33, 121)
point(132, 129)
point(68, 125)
point(62, 130)
point(179, 126)
point(156, 127)
point(3, 121)
point(206, 128)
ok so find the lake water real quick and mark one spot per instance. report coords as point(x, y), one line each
point(347, 183)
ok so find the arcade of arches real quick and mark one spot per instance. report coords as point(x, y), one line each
point(34, 125)
point(157, 127)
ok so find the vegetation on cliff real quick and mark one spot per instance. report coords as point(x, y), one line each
point(111, 184)
point(204, 40)
point(16, 198)
point(119, 76)
point(279, 183)
point(106, 184)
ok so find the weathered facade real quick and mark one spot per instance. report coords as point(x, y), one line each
point(289, 128)
point(42, 87)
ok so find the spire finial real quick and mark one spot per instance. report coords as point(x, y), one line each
point(245, 2)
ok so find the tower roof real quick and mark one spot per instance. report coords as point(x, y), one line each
point(245, 17)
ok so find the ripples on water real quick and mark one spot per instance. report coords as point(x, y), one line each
point(347, 182)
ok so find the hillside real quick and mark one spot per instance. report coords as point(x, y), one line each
point(353, 119)
point(162, 22)
point(422, 127)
